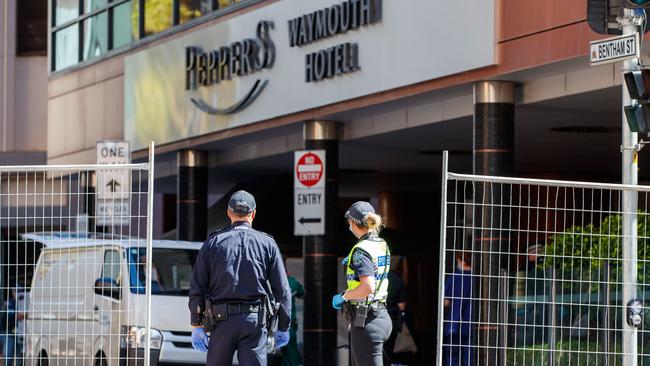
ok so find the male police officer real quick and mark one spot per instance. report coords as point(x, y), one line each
point(232, 271)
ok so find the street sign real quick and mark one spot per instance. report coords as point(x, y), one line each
point(112, 205)
point(614, 49)
point(113, 213)
point(309, 169)
point(309, 192)
point(114, 183)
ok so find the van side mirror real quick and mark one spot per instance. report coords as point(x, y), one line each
point(108, 287)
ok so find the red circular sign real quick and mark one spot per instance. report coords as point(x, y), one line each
point(309, 169)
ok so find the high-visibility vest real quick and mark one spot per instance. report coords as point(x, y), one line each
point(378, 250)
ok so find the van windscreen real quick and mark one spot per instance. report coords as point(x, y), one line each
point(171, 270)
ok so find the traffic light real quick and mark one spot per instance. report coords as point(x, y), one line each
point(638, 83)
point(637, 117)
point(638, 113)
point(602, 13)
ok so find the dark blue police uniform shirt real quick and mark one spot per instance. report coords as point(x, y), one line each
point(362, 264)
point(458, 290)
point(234, 265)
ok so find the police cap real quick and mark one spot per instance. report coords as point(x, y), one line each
point(358, 211)
point(242, 203)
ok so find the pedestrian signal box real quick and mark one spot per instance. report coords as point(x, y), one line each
point(638, 112)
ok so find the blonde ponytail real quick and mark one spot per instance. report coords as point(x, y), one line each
point(373, 222)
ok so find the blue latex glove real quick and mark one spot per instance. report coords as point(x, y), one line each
point(337, 301)
point(281, 339)
point(200, 340)
point(344, 262)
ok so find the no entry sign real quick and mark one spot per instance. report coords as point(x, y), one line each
point(309, 192)
point(309, 169)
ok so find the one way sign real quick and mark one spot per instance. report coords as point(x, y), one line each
point(113, 183)
point(309, 192)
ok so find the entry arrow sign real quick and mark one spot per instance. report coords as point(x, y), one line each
point(113, 184)
point(315, 220)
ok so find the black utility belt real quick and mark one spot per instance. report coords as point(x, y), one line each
point(375, 305)
point(219, 312)
point(360, 314)
point(242, 308)
point(234, 308)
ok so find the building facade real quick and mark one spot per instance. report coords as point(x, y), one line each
point(228, 90)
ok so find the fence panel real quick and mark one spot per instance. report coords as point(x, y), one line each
point(533, 272)
point(74, 288)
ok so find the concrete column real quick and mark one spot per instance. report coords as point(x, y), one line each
point(320, 254)
point(493, 155)
point(192, 197)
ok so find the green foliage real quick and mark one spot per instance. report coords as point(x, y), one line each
point(566, 353)
point(580, 253)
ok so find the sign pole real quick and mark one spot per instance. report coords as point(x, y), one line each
point(630, 204)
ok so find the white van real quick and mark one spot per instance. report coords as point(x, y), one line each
point(87, 302)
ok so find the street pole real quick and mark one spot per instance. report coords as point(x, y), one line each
point(630, 203)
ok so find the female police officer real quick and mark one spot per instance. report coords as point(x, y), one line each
point(367, 267)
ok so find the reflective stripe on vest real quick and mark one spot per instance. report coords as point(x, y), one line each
point(377, 251)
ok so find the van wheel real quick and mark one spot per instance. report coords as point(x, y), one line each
point(42, 360)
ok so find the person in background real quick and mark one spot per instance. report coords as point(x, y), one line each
point(457, 327)
point(9, 318)
point(396, 305)
point(142, 272)
point(535, 313)
point(290, 353)
point(534, 258)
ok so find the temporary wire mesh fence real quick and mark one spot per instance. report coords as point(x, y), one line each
point(73, 263)
point(533, 273)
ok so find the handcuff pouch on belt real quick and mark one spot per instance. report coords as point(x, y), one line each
point(209, 317)
point(358, 314)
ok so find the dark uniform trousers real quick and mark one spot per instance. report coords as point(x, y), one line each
point(243, 333)
point(368, 342)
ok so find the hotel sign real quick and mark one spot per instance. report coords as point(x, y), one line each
point(289, 56)
point(236, 59)
point(330, 22)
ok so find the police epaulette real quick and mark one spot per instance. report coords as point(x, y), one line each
point(363, 251)
point(219, 231)
point(267, 234)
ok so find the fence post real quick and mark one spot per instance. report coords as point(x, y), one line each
point(504, 317)
point(147, 350)
point(553, 327)
point(607, 293)
point(443, 247)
